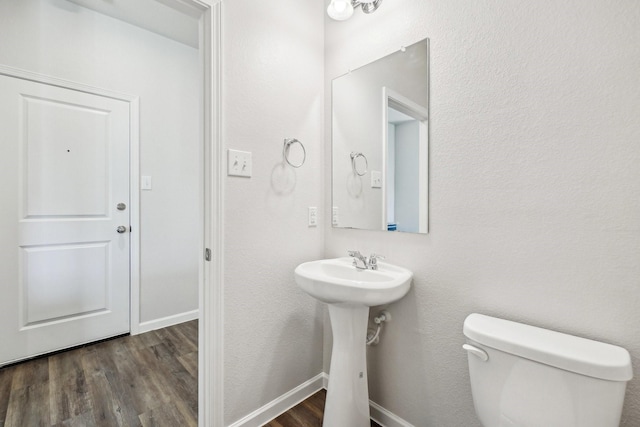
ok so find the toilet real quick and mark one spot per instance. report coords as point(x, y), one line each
point(524, 376)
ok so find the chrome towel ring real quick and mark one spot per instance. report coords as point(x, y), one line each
point(354, 157)
point(285, 151)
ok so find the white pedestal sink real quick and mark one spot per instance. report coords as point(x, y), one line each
point(350, 292)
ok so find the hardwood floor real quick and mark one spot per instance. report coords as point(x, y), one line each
point(145, 380)
point(306, 414)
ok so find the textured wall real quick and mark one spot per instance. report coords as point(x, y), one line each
point(272, 89)
point(534, 186)
point(61, 39)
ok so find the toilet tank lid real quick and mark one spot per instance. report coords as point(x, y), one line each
point(568, 352)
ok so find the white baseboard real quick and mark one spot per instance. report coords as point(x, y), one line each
point(282, 404)
point(386, 418)
point(163, 322)
point(271, 410)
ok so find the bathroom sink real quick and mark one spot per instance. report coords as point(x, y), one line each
point(337, 281)
point(349, 292)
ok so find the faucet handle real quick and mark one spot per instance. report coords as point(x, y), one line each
point(357, 256)
point(373, 261)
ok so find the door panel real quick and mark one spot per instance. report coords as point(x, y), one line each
point(64, 162)
point(63, 142)
point(75, 291)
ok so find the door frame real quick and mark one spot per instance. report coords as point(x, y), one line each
point(211, 320)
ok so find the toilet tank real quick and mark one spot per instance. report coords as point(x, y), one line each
point(534, 377)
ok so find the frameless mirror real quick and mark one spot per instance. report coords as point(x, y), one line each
point(380, 143)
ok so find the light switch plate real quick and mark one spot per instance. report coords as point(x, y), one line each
point(376, 179)
point(239, 163)
point(145, 182)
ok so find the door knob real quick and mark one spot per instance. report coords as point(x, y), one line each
point(121, 229)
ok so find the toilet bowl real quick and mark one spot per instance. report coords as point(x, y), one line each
point(524, 376)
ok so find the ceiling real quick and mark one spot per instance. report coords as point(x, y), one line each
point(164, 17)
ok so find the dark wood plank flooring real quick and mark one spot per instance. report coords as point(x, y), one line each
point(306, 414)
point(145, 380)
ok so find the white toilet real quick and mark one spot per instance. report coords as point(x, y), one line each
point(523, 376)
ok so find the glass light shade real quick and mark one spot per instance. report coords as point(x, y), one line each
point(340, 9)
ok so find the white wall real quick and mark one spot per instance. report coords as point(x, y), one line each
point(63, 40)
point(272, 89)
point(534, 186)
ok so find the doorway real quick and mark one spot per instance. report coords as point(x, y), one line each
point(406, 154)
point(51, 62)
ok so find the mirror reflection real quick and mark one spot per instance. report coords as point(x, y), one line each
point(380, 143)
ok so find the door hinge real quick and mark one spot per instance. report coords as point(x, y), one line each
point(207, 254)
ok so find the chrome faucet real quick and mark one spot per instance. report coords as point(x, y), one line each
point(373, 261)
point(363, 263)
point(359, 260)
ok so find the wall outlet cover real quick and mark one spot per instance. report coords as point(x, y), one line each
point(313, 216)
point(376, 179)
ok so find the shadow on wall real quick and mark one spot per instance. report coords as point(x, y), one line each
point(283, 179)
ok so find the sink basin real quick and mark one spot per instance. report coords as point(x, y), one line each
point(337, 281)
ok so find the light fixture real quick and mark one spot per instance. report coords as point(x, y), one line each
point(343, 9)
point(340, 9)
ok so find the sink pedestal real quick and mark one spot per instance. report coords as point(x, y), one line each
point(347, 402)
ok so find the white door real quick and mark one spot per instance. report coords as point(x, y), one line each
point(64, 266)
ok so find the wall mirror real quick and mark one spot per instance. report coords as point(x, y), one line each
point(380, 143)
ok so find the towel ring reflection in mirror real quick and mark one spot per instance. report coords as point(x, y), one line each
point(288, 142)
point(354, 163)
